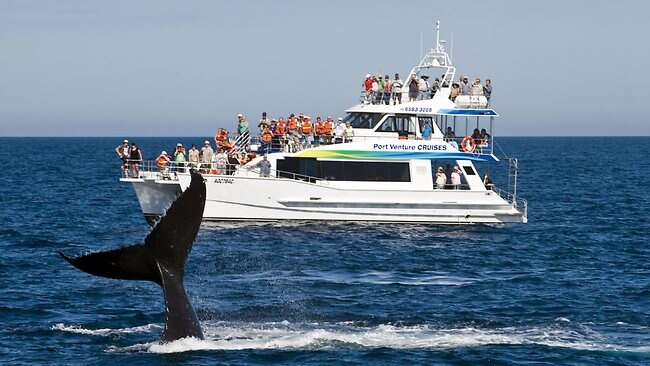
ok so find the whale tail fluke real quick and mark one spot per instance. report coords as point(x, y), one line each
point(161, 259)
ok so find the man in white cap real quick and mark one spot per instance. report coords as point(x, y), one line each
point(206, 156)
point(123, 152)
point(455, 177)
point(339, 130)
point(367, 85)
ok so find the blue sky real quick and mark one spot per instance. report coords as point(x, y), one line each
point(185, 68)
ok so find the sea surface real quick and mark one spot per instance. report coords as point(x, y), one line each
point(571, 287)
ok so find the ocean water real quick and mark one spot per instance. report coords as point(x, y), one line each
point(571, 287)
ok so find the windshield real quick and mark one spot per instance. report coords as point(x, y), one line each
point(363, 120)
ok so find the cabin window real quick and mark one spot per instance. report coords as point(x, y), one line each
point(468, 170)
point(309, 169)
point(400, 124)
point(363, 120)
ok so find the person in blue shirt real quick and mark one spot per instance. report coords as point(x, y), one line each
point(426, 131)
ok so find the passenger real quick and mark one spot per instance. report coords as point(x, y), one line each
point(233, 163)
point(413, 88)
point(328, 127)
point(487, 182)
point(220, 161)
point(306, 130)
point(464, 85)
point(162, 162)
point(243, 132)
point(448, 171)
point(396, 86)
point(280, 131)
point(339, 130)
point(487, 90)
point(318, 131)
point(386, 90)
point(266, 138)
point(426, 131)
point(455, 91)
point(193, 157)
point(455, 177)
point(292, 124)
point(264, 123)
point(135, 158)
point(243, 158)
point(485, 137)
point(476, 135)
point(348, 133)
point(206, 157)
point(423, 87)
point(435, 87)
point(123, 152)
point(367, 87)
point(441, 178)
point(380, 90)
point(179, 157)
point(477, 88)
point(375, 89)
point(265, 166)
point(450, 135)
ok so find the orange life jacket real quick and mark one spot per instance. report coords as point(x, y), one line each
point(318, 126)
point(222, 135)
point(267, 136)
point(281, 127)
point(162, 161)
point(306, 127)
point(327, 126)
point(292, 124)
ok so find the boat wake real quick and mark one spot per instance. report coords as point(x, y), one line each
point(231, 336)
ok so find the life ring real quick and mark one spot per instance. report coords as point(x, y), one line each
point(221, 136)
point(472, 144)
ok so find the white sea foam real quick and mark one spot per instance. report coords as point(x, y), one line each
point(105, 331)
point(314, 336)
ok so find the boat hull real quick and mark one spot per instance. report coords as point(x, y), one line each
point(257, 199)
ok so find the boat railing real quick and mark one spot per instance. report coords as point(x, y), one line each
point(516, 202)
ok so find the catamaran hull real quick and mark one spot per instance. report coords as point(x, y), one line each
point(232, 198)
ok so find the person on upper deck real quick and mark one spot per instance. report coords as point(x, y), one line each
point(375, 90)
point(348, 132)
point(339, 130)
point(413, 88)
point(379, 94)
point(487, 89)
point(434, 87)
point(385, 98)
point(464, 86)
point(242, 131)
point(477, 88)
point(396, 86)
point(423, 87)
point(264, 122)
point(455, 91)
point(367, 87)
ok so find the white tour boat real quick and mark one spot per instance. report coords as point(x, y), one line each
point(386, 172)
